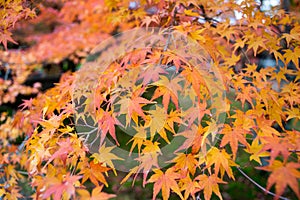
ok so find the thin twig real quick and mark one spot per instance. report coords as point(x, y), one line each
point(7, 72)
point(245, 55)
point(76, 165)
point(23, 172)
point(259, 186)
point(18, 171)
point(294, 151)
point(169, 37)
point(89, 132)
point(168, 41)
point(166, 46)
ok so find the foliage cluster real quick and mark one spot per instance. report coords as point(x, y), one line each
point(41, 144)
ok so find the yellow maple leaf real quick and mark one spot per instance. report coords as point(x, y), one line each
point(105, 157)
point(292, 56)
point(221, 160)
point(256, 151)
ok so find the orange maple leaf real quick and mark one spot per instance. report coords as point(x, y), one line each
point(210, 185)
point(94, 173)
point(185, 162)
point(233, 136)
point(276, 146)
point(133, 105)
point(168, 89)
point(165, 182)
point(6, 36)
point(283, 175)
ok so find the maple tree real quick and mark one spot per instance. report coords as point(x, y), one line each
point(179, 95)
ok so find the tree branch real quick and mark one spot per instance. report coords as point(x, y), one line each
point(259, 186)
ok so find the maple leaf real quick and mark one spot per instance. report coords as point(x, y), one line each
point(138, 139)
point(210, 184)
point(147, 160)
point(291, 91)
point(185, 162)
point(226, 31)
point(105, 157)
point(196, 78)
point(197, 35)
point(58, 187)
point(51, 125)
point(67, 129)
point(196, 112)
point(243, 120)
point(190, 187)
point(151, 73)
point(38, 153)
point(127, 81)
point(194, 138)
point(26, 104)
point(283, 175)
point(281, 75)
point(65, 148)
point(106, 124)
point(292, 56)
point(165, 182)
point(232, 61)
point(11, 171)
point(293, 35)
point(191, 13)
point(12, 194)
point(94, 173)
point(157, 123)
point(247, 94)
point(97, 194)
point(255, 149)
point(6, 36)
point(239, 43)
point(276, 146)
point(134, 104)
point(277, 54)
point(168, 89)
point(265, 126)
point(151, 147)
point(256, 42)
point(233, 136)
point(221, 161)
point(79, 26)
point(293, 113)
point(150, 19)
point(173, 117)
point(172, 58)
point(211, 129)
point(2, 192)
